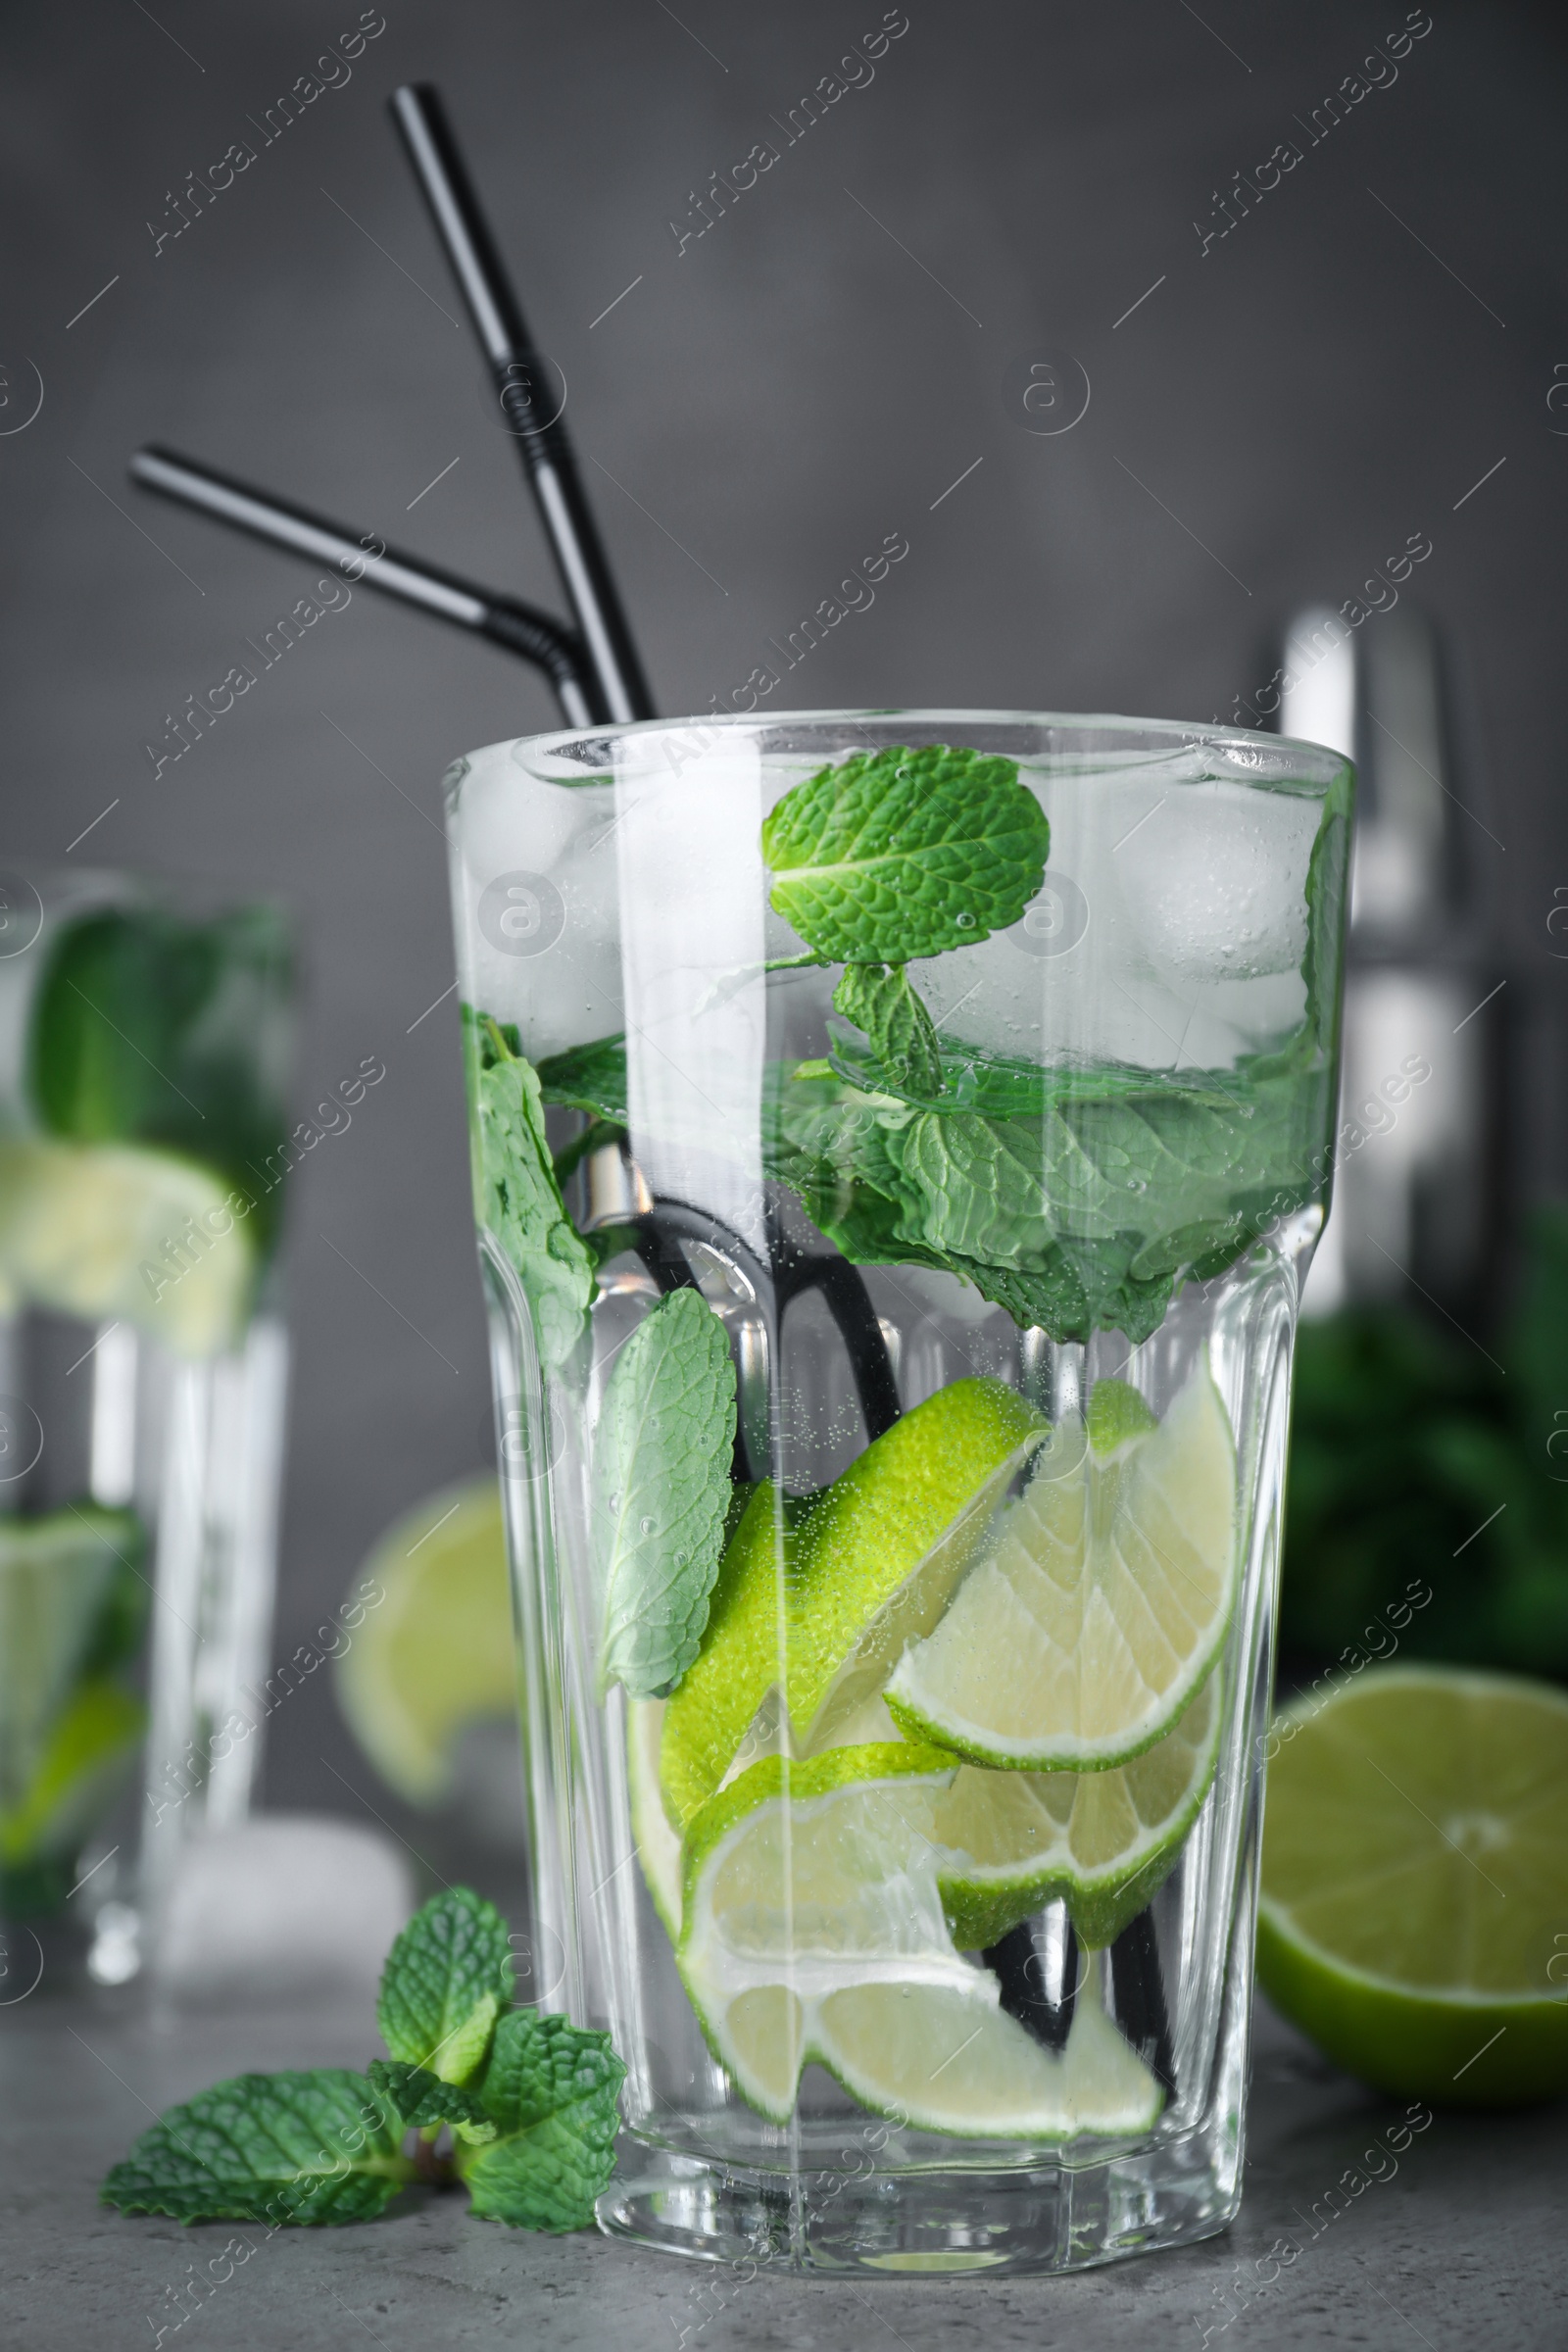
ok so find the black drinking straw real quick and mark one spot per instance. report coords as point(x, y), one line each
point(522, 629)
point(1136, 1986)
point(1041, 2001)
point(522, 380)
point(657, 1236)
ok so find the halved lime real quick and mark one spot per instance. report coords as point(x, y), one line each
point(813, 1928)
point(801, 1585)
point(120, 1233)
point(1104, 1842)
point(433, 1649)
point(1088, 1627)
point(1415, 1912)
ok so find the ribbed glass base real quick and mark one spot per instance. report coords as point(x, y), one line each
point(1049, 2217)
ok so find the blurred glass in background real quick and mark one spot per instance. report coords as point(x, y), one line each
point(143, 1363)
point(1426, 1504)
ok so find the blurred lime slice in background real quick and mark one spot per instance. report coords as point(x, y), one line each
point(434, 1653)
point(117, 1233)
point(73, 1614)
point(1414, 1911)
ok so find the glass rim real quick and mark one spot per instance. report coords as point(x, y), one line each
point(1289, 759)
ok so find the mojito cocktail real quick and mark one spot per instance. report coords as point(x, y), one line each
point(898, 1144)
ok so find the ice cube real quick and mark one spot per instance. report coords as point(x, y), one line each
point(1214, 880)
point(281, 1908)
point(539, 913)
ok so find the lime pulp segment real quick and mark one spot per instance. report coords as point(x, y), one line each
point(1101, 1841)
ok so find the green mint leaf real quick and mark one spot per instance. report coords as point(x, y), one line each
point(522, 1204)
point(590, 1078)
point(904, 852)
point(1079, 1202)
point(661, 1488)
point(151, 1028)
point(447, 1979)
point(878, 998)
point(421, 2100)
point(317, 2147)
point(550, 2089)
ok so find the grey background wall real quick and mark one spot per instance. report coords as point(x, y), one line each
point(1271, 415)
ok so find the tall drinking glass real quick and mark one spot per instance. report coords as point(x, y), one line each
point(143, 1044)
point(899, 1139)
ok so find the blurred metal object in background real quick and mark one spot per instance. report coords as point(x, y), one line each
point(1418, 1196)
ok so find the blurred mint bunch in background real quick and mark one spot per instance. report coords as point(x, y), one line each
point(1421, 1460)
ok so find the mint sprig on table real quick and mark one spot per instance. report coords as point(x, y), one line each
point(528, 2099)
point(447, 1980)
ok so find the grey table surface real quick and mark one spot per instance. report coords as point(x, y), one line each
point(1451, 2235)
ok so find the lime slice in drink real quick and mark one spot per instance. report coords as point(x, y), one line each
point(955, 2061)
point(433, 1652)
point(658, 1844)
point(811, 1579)
point(1414, 1915)
point(1104, 1842)
point(813, 1929)
point(116, 1232)
point(1103, 1603)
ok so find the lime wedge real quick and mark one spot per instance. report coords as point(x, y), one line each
point(119, 1233)
point(433, 1652)
point(800, 1585)
point(658, 1844)
point(1414, 1914)
point(1088, 1627)
point(956, 2062)
point(813, 1929)
point(1104, 1842)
